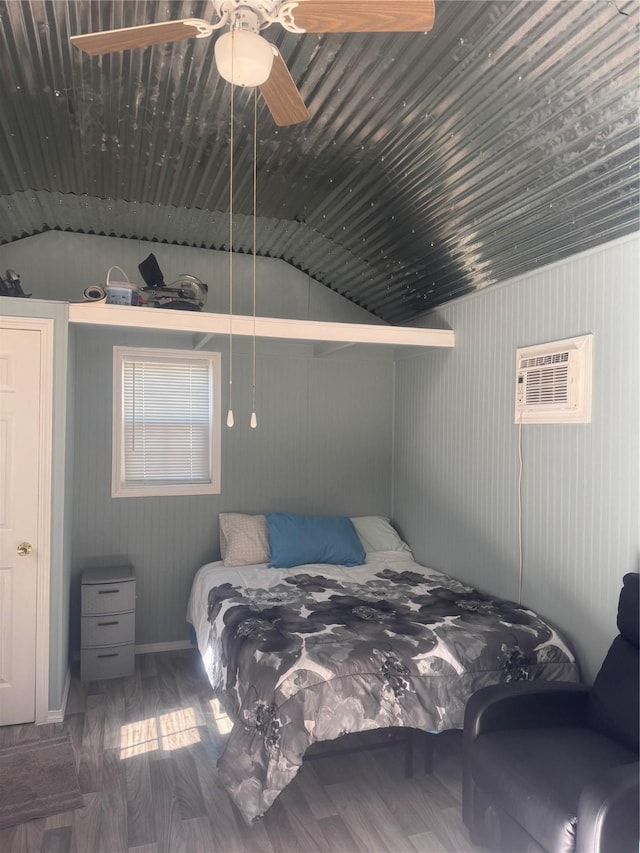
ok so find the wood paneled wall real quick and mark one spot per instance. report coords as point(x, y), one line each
point(60, 265)
point(323, 443)
point(456, 447)
point(322, 446)
point(443, 461)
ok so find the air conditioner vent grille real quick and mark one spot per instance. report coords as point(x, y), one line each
point(541, 360)
point(550, 385)
point(553, 382)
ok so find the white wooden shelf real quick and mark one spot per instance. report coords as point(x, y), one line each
point(208, 324)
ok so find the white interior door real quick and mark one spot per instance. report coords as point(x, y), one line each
point(20, 423)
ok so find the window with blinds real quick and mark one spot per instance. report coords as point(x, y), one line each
point(166, 422)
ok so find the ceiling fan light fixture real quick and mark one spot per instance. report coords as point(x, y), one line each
point(244, 58)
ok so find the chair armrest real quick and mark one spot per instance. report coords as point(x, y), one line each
point(608, 812)
point(525, 704)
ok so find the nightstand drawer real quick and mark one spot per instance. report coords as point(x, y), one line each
point(108, 630)
point(107, 662)
point(108, 597)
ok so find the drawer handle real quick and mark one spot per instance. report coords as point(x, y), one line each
point(107, 591)
point(103, 624)
point(112, 655)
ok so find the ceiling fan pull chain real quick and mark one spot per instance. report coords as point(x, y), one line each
point(230, 420)
point(254, 420)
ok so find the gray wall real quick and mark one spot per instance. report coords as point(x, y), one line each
point(59, 265)
point(323, 443)
point(456, 447)
point(325, 433)
point(322, 446)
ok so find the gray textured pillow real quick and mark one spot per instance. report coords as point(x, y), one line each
point(244, 539)
point(377, 534)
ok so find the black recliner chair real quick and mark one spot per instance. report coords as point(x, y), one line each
point(553, 766)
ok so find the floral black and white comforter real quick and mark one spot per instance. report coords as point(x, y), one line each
point(312, 653)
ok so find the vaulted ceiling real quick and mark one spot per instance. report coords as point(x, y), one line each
point(432, 165)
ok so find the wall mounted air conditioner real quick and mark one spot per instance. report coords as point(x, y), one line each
point(553, 382)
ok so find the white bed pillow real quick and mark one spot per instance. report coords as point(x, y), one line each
point(378, 534)
point(244, 539)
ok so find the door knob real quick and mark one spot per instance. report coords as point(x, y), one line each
point(24, 549)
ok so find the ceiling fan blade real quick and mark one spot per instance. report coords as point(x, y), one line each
point(110, 41)
point(282, 96)
point(362, 16)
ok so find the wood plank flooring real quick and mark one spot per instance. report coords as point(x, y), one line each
point(146, 749)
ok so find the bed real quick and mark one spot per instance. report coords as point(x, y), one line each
point(313, 650)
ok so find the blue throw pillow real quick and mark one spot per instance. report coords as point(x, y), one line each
point(296, 540)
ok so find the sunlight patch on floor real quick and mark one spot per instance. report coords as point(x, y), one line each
point(166, 732)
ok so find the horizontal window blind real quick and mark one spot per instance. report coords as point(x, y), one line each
point(166, 414)
point(166, 421)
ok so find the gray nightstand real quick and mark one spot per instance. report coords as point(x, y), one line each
point(108, 621)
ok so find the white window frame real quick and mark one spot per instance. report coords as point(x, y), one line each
point(119, 487)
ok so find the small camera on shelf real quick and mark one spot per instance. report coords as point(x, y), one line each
point(10, 286)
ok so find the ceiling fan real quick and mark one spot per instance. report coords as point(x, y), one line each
point(245, 58)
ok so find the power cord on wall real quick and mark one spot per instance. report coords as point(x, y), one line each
point(520, 549)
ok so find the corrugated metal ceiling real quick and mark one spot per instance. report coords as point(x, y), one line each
point(433, 164)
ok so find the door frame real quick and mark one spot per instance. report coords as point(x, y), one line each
point(45, 448)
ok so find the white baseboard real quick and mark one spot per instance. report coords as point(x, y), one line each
point(151, 648)
point(56, 715)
